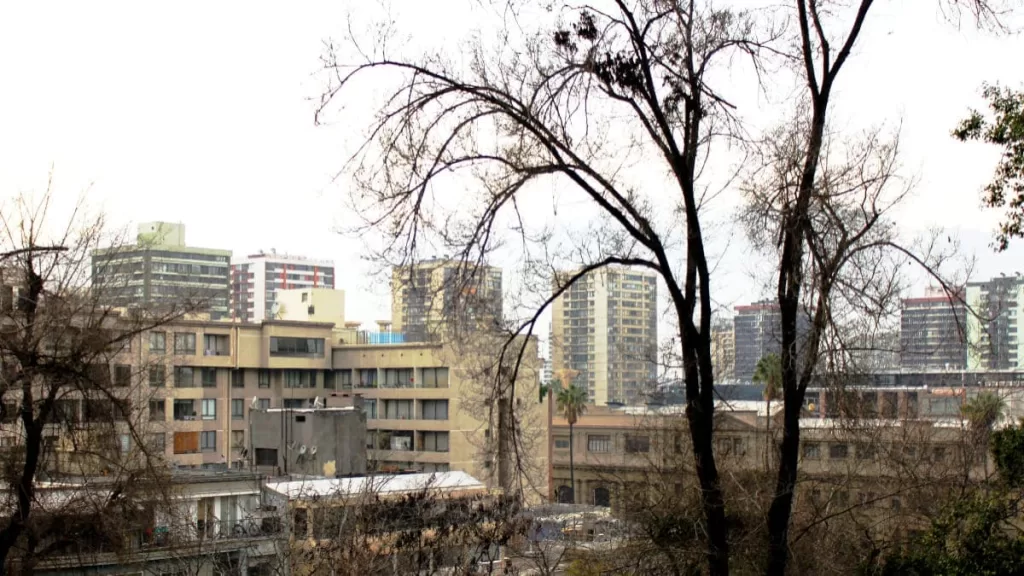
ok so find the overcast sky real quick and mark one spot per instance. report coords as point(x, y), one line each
point(201, 113)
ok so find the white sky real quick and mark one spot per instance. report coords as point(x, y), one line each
point(201, 113)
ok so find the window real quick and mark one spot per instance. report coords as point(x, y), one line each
point(157, 411)
point(237, 378)
point(208, 441)
point(280, 346)
point(731, 446)
point(124, 443)
point(434, 377)
point(866, 451)
point(435, 409)
point(295, 403)
point(599, 443)
point(398, 378)
point(299, 379)
point(216, 345)
point(209, 377)
point(157, 342)
point(837, 451)
point(184, 377)
point(638, 444)
point(266, 456)
point(157, 376)
point(186, 442)
point(812, 450)
point(264, 378)
point(367, 377)
point(300, 522)
point(329, 382)
point(184, 343)
point(184, 410)
point(939, 454)
point(435, 441)
point(370, 409)
point(122, 375)
point(561, 442)
point(398, 409)
point(209, 408)
point(157, 442)
point(237, 409)
point(238, 439)
point(345, 379)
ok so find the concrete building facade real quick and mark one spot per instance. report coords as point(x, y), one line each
point(327, 441)
point(992, 342)
point(161, 270)
point(932, 334)
point(435, 296)
point(605, 327)
point(257, 278)
point(723, 351)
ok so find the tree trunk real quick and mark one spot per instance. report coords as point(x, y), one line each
point(782, 503)
point(572, 468)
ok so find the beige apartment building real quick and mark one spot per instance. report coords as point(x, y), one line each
point(605, 327)
point(432, 296)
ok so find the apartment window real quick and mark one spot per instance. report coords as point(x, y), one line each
point(184, 377)
point(237, 378)
point(295, 403)
point(124, 442)
point(209, 377)
point(186, 442)
point(157, 442)
point(184, 343)
point(122, 375)
point(837, 451)
point(209, 408)
point(266, 456)
point(434, 377)
point(939, 454)
point(638, 444)
point(561, 442)
point(299, 379)
point(264, 403)
point(367, 377)
point(345, 379)
point(208, 441)
point(812, 451)
point(238, 439)
point(184, 410)
point(435, 409)
point(398, 409)
point(435, 441)
point(599, 443)
point(264, 378)
point(157, 342)
point(398, 378)
point(866, 451)
point(296, 346)
point(157, 376)
point(157, 411)
point(237, 409)
point(370, 409)
point(216, 345)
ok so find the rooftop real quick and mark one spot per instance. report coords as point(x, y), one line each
point(379, 484)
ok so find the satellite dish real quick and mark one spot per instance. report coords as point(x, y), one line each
point(255, 404)
point(275, 310)
point(302, 449)
point(312, 450)
point(318, 402)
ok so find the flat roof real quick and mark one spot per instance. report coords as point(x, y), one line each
point(379, 484)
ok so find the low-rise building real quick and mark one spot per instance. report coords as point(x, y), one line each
point(328, 441)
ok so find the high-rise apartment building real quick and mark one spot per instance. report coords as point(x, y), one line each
point(992, 342)
point(931, 334)
point(723, 351)
point(433, 296)
point(605, 327)
point(160, 270)
point(256, 279)
point(757, 332)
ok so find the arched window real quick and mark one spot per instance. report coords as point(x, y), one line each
point(602, 497)
point(564, 495)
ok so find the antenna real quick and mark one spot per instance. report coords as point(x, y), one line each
point(312, 450)
point(302, 449)
point(275, 310)
point(255, 404)
point(318, 402)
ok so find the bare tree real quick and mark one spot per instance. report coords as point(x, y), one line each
point(577, 105)
point(70, 398)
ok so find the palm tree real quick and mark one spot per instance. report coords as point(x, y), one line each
point(982, 412)
point(572, 403)
point(769, 373)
